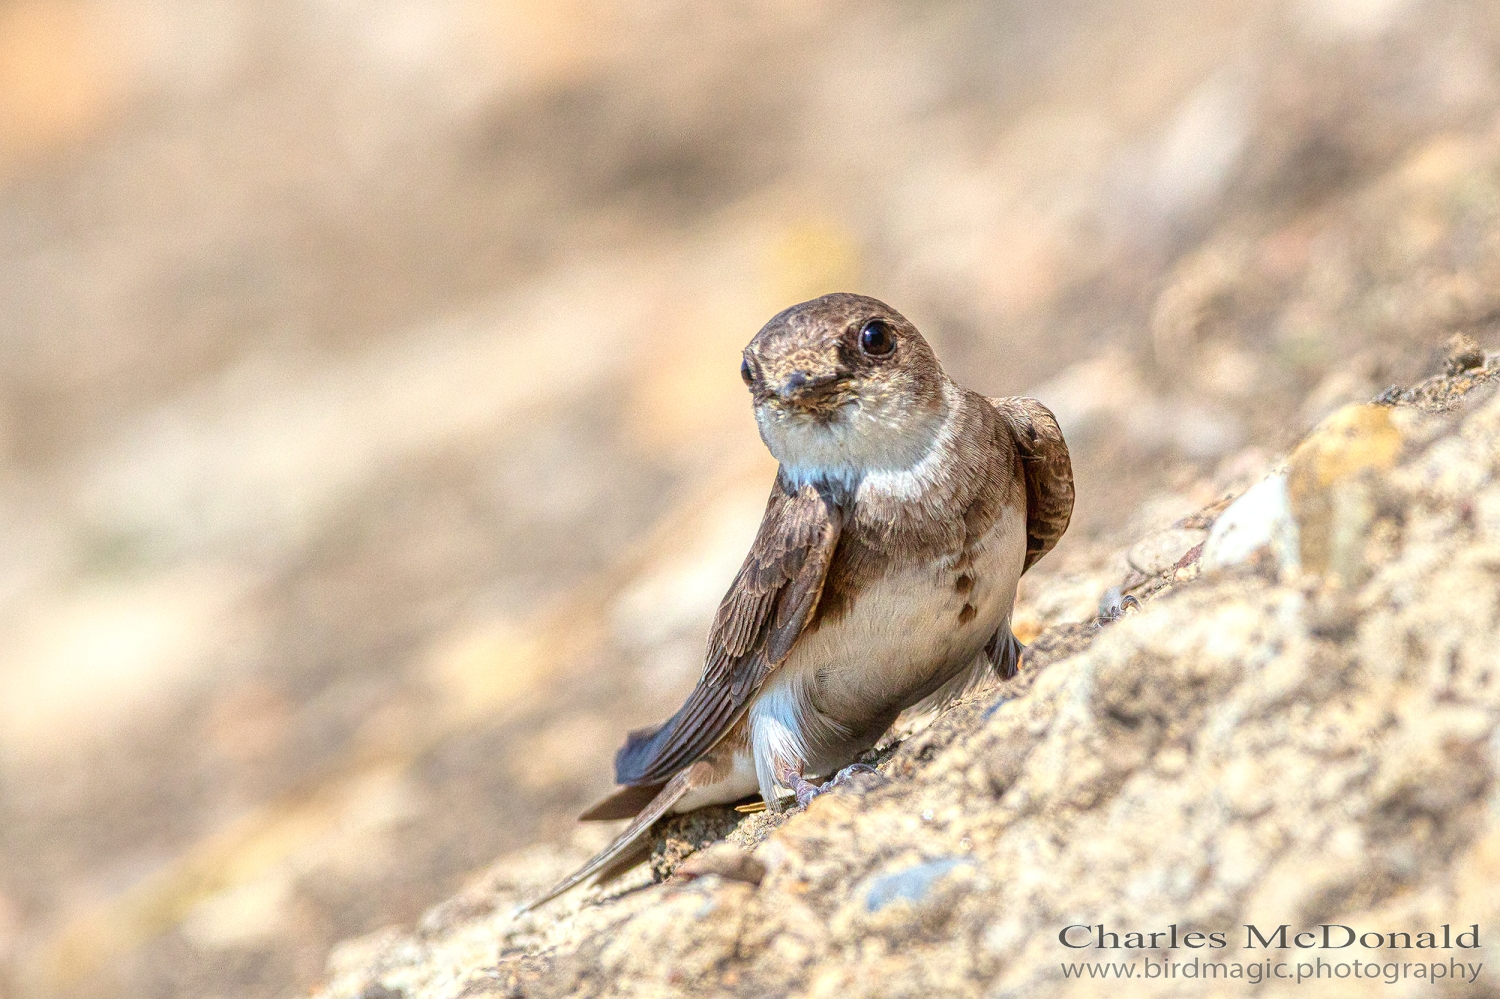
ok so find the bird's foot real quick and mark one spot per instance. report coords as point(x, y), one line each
point(854, 770)
point(805, 790)
point(1113, 605)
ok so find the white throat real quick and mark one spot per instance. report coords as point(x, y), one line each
point(864, 441)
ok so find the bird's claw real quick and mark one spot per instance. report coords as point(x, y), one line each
point(805, 790)
point(1113, 605)
point(853, 770)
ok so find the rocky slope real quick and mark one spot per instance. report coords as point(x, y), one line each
point(333, 566)
point(1300, 728)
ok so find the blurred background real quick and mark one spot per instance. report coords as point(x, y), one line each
point(372, 447)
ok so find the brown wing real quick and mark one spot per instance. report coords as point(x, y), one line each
point(770, 602)
point(1047, 468)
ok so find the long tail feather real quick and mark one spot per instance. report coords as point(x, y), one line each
point(625, 850)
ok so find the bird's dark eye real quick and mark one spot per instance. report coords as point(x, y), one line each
point(746, 373)
point(877, 338)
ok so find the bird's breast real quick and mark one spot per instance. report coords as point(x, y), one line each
point(911, 626)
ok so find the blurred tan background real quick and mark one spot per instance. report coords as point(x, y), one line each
point(372, 448)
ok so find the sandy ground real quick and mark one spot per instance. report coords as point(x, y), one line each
point(1293, 728)
point(372, 450)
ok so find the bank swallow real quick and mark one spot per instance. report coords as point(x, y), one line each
point(904, 512)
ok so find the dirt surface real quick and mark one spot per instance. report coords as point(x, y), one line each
point(372, 449)
point(1261, 745)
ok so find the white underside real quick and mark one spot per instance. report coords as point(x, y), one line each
point(741, 783)
point(900, 641)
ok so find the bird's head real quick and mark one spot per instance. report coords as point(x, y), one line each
point(843, 385)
